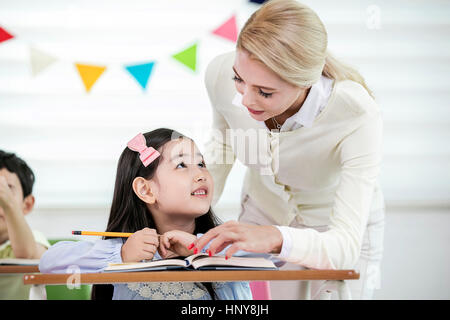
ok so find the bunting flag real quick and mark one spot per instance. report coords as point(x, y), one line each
point(5, 35)
point(89, 74)
point(141, 72)
point(40, 60)
point(228, 30)
point(188, 57)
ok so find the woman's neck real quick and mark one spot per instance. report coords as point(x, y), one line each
point(281, 118)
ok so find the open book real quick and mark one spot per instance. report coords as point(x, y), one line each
point(19, 262)
point(199, 261)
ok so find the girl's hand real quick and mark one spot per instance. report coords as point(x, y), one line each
point(241, 236)
point(141, 245)
point(175, 243)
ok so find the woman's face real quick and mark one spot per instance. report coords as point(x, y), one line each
point(263, 92)
point(182, 185)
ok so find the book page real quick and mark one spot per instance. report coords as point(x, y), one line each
point(233, 262)
point(142, 265)
point(193, 257)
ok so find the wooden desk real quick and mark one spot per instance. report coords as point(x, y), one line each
point(192, 276)
point(18, 269)
point(332, 277)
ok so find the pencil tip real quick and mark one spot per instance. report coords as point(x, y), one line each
point(76, 232)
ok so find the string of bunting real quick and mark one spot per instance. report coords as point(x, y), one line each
point(141, 72)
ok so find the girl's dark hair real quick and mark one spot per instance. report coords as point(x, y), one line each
point(129, 213)
point(16, 165)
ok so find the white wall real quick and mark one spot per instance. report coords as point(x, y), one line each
point(416, 258)
point(72, 139)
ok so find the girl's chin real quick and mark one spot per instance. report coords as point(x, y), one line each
point(196, 209)
point(201, 210)
point(204, 208)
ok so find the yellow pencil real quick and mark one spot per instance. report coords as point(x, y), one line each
point(104, 234)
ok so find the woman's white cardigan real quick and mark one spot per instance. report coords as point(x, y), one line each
point(326, 174)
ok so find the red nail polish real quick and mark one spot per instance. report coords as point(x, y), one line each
point(209, 253)
point(191, 246)
point(195, 251)
point(226, 258)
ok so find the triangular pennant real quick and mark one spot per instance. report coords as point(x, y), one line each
point(5, 35)
point(228, 30)
point(141, 72)
point(40, 60)
point(188, 57)
point(89, 74)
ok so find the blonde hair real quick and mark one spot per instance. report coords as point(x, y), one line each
point(290, 39)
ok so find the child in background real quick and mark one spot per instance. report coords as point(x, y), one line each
point(17, 240)
point(162, 188)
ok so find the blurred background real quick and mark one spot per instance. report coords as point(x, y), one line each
point(78, 79)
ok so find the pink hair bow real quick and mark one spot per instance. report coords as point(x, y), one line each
point(146, 154)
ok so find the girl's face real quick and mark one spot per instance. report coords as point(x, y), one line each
point(263, 92)
point(182, 185)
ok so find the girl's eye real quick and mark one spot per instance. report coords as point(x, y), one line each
point(236, 79)
point(181, 164)
point(264, 94)
point(201, 164)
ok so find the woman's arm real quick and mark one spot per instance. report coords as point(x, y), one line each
point(340, 246)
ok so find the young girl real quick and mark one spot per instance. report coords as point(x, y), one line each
point(162, 195)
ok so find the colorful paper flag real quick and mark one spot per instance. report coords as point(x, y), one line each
point(89, 74)
point(188, 57)
point(40, 60)
point(5, 35)
point(141, 72)
point(228, 30)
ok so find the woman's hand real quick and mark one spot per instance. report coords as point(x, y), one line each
point(141, 245)
point(241, 236)
point(175, 243)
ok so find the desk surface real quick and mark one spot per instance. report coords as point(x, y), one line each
point(191, 276)
point(18, 269)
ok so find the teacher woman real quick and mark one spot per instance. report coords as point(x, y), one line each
point(308, 130)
